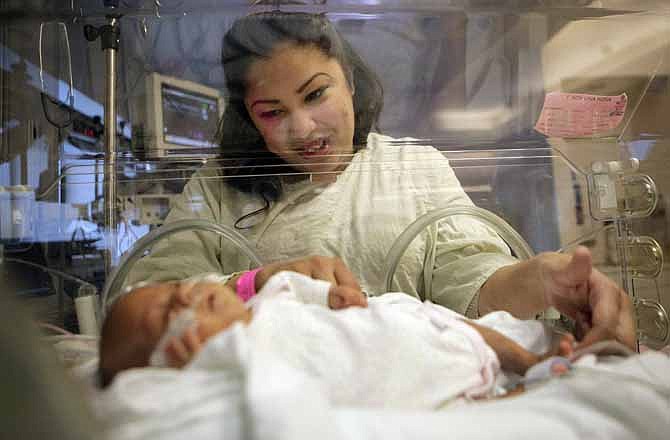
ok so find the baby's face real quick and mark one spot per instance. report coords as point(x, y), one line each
point(216, 307)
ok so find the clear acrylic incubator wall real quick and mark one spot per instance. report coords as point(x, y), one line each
point(550, 115)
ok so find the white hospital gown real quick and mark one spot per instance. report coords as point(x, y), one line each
point(387, 186)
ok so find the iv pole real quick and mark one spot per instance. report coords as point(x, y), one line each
point(109, 40)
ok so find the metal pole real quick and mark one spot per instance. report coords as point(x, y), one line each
point(110, 148)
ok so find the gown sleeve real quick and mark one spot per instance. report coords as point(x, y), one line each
point(186, 254)
point(461, 251)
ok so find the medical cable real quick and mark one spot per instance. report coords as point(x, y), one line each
point(70, 93)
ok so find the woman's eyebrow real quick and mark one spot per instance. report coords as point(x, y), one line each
point(306, 83)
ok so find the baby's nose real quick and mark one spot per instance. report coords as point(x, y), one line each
point(184, 294)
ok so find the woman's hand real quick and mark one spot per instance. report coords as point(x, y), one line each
point(341, 297)
point(345, 290)
point(600, 308)
point(328, 269)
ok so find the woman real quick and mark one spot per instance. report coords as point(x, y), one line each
point(318, 193)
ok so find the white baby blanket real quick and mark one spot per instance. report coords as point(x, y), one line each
point(304, 372)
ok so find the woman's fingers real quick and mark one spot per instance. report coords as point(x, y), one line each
point(332, 270)
point(344, 276)
point(562, 345)
point(611, 314)
point(627, 328)
point(566, 345)
point(322, 268)
point(599, 307)
point(340, 297)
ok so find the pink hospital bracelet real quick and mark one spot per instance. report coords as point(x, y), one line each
point(246, 285)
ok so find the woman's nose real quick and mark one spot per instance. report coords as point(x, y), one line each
point(302, 124)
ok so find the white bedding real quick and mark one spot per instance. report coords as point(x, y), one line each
point(236, 392)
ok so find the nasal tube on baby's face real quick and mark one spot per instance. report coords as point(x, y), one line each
point(184, 320)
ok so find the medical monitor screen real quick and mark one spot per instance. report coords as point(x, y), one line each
point(189, 118)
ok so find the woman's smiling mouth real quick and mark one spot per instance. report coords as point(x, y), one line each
point(318, 147)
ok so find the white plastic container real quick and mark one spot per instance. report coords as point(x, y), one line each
point(5, 214)
point(86, 307)
point(23, 211)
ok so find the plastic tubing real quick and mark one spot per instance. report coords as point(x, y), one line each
point(112, 289)
point(518, 245)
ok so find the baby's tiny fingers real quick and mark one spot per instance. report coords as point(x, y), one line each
point(177, 353)
point(192, 340)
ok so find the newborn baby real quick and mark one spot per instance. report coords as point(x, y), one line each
point(393, 348)
point(136, 322)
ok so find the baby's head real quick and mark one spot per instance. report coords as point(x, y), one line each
point(136, 322)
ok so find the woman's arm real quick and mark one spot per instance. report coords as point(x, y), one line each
point(461, 252)
point(569, 283)
point(516, 288)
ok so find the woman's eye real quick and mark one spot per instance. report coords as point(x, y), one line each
point(270, 114)
point(316, 94)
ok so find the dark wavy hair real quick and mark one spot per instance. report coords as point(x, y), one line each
point(254, 37)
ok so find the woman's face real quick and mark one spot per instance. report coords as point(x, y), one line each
point(301, 102)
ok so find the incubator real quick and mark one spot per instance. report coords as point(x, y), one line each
point(549, 115)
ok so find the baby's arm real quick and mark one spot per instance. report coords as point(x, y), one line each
point(514, 357)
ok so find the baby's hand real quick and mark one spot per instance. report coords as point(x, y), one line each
point(181, 350)
point(341, 297)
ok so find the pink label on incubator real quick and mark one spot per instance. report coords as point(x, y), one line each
point(577, 115)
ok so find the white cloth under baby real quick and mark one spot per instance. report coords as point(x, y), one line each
point(397, 352)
